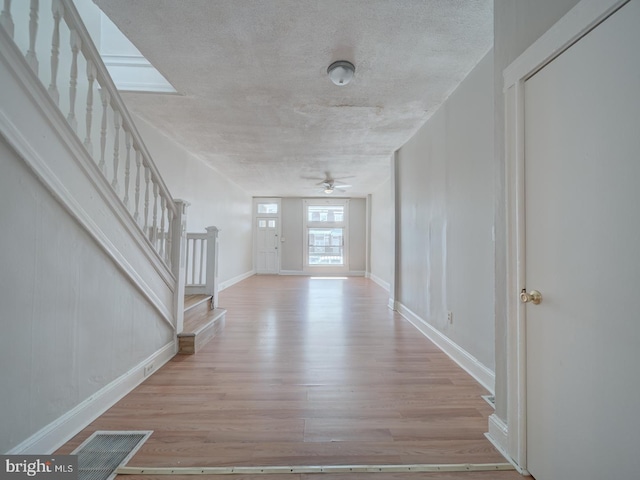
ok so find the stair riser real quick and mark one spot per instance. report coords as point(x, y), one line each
point(201, 308)
point(208, 333)
point(188, 344)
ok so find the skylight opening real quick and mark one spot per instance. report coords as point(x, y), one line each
point(129, 69)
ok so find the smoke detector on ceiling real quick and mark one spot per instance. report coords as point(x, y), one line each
point(341, 72)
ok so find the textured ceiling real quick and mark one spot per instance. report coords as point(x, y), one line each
point(254, 98)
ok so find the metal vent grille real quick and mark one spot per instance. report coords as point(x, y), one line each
point(103, 452)
point(490, 399)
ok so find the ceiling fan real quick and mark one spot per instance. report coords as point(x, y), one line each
point(330, 185)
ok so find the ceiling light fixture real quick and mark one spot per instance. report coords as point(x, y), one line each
point(328, 190)
point(341, 72)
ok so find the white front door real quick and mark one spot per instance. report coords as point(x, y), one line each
point(582, 217)
point(267, 245)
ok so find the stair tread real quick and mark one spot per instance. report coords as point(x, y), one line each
point(197, 321)
point(192, 301)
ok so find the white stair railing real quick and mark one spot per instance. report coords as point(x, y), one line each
point(195, 271)
point(53, 30)
point(201, 269)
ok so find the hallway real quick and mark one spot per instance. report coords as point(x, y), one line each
point(309, 372)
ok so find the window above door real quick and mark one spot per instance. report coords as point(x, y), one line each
point(266, 207)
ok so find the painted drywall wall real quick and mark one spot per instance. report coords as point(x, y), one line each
point(445, 195)
point(215, 200)
point(72, 323)
point(292, 249)
point(382, 235)
point(517, 24)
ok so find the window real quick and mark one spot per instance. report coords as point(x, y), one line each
point(326, 246)
point(326, 233)
point(267, 208)
point(327, 214)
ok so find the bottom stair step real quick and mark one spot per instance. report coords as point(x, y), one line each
point(198, 331)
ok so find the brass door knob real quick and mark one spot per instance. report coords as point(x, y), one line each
point(534, 296)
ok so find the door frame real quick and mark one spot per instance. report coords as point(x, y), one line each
point(511, 437)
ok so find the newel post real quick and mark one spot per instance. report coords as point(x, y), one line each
point(212, 264)
point(178, 259)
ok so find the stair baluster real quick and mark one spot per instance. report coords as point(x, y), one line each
point(154, 232)
point(76, 44)
point(127, 167)
point(91, 76)
point(57, 10)
point(104, 95)
point(6, 21)
point(161, 246)
point(117, 121)
point(167, 257)
point(136, 214)
point(193, 260)
point(147, 175)
point(32, 59)
point(203, 254)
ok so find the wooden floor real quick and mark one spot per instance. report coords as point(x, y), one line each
point(309, 372)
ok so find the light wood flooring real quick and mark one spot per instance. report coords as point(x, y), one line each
point(309, 372)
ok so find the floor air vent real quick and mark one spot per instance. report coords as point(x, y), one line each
point(490, 399)
point(103, 452)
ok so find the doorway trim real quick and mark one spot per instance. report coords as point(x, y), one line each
point(511, 438)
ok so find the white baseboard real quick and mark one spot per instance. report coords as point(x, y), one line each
point(234, 280)
point(379, 281)
point(498, 435)
point(459, 355)
point(392, 304)
point(58, 432)
point(302, 273)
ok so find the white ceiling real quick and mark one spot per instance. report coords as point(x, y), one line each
point(254, 98)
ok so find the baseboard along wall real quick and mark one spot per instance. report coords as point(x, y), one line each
point(237, 279)
point(464, 359)
point(60, 431)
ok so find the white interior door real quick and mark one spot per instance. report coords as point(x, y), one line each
point(582, 204)
point(267, 245)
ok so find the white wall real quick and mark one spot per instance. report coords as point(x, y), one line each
point(382, 235)
point(517, 24)
point(445, 194)
point(71, 321)
point(215, 200)
point(292, 249)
